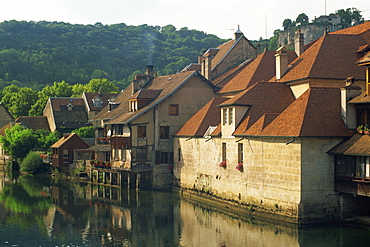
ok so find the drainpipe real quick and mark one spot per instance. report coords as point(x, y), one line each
point(154, 147)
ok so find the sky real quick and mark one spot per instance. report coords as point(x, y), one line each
point(255, 18)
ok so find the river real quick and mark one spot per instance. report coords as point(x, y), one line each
point(43, 211)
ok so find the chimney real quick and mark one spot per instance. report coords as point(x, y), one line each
point(281, 58)
point(206, 64)
point(349, 110)
point(238, 34)
point(299, 42)
point(150, 70)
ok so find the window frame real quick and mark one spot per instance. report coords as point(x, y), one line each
point(164, 132)
point(141, 132)
point(173, 109)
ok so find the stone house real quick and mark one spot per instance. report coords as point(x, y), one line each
point(270, 144)
point(140, 122)
point(63, 150)
point(65, 114)
point(216, 61)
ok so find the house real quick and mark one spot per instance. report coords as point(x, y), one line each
point(63, 150)
point(272, 145)
point(139, 123)
point(33, 122)
point(95, 102)
point(65, 114)
point(216, 61)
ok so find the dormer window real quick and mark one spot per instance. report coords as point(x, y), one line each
point(228, 116)
point(69, 107)
point(97, 102)
point(132, 105)
point(113, 105)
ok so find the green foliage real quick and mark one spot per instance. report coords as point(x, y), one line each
point(287, 23)
point(18, 141)
point(101, 85)
point(350, 16)
point(302, 19)
point(18, 100)
point(33, 164)
point(25, 196)
point(44, 52)
point(85, 132)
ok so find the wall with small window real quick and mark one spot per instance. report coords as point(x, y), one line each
point(352, 166)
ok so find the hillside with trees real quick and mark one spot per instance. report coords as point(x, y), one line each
point(40, 53)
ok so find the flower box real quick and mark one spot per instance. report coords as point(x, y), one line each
point(239, 167)
point(222, 164)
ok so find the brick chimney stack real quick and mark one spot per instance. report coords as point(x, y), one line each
point(238, 34)
point(150, 70)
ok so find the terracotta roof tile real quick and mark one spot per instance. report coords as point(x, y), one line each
point(358, 29)
point(209, 115)
point(65, 138)
point(262, 97)
point(332, 56)
point(224, 78)
point(223, 50)
point(316, 113)
point(356, 145)
point(260, 69)
point(59, 103)
point(365, 60)
point(362, 98)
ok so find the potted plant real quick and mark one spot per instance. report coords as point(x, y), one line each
point(360, 129)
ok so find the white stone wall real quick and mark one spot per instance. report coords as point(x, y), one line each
point(283, 175)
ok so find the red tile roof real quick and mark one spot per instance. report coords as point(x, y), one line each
point(356, 145)
point(209, 115)
point(316, 113)
point(65, 138)
point(262, 97)
point(224, 78)
point(260, 69)
point(333, 56)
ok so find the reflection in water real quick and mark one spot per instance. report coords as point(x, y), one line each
point(45, 212)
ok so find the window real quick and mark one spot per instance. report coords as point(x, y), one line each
point(123, 154)
point(164, 157)
point(240, 152)
point(224, 113)
point(173, 109)
point(70, 107)
point(65, 155)
point(141, 154)
point(179, 154)
point(115, 154)
point(97, 102)
point(223, 152)
point(231, 115)
point(141, 132)
point(164, 132)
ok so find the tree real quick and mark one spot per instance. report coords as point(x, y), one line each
point(350, 16)
point(302, 19)
point(85, 132)
point(33, 164)
point(18, 141)
point(18, 100)
point(101, 85)
point(287, 23)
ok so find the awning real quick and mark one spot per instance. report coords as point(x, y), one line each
point(357, 145)
point(100, 148)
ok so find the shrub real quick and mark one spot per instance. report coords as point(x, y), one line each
point(33, 164)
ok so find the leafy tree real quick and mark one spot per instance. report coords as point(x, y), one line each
point(85, 132)
point(58, 89)
point(287, 23)
point(46, 138)
point(18, 141)
point(273, 44)
point(101, 85)
point(33, 164)
point(302, 19)
point(350, 16)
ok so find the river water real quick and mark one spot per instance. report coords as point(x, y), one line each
point(42, 211)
